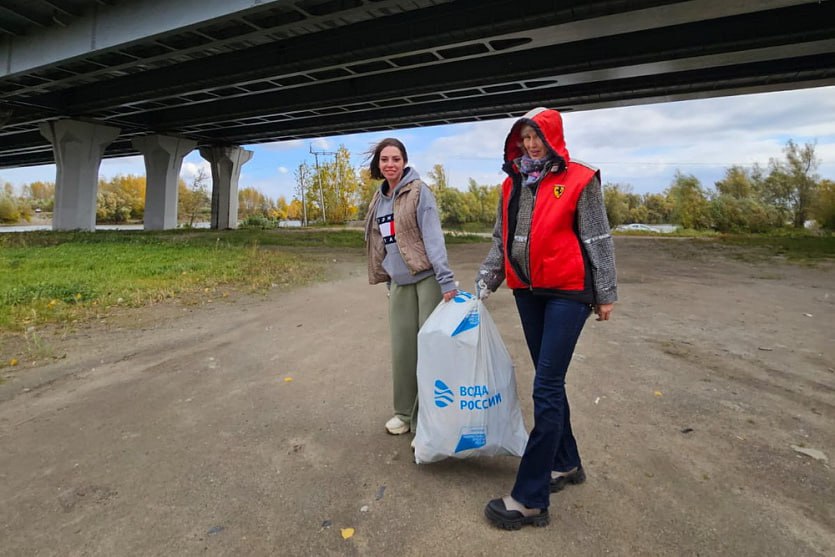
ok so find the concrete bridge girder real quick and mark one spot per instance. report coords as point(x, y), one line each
point(247, 72)
point(112, 26)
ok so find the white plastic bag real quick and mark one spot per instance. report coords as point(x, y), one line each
point(467, 402)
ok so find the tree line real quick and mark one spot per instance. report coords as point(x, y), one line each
point(785, 192)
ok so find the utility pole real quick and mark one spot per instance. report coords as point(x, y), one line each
point(319, 175)
point(302, 179)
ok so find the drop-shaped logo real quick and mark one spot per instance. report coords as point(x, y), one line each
point(443, 394)
point(470, 321)
point(462, 296)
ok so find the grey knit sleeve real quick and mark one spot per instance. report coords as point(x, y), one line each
point(596, 236)
point(433, 238)
point(492, 269)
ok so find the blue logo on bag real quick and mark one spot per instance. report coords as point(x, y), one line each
point(470, 321)
point(471, 438)
point(462, 297)
point(443, 394)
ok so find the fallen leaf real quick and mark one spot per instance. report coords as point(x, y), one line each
point(13, 362)
point(346, 533)
point(814, 453)
point(658, 393)
point(288, 379)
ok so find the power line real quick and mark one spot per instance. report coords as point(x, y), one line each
point(319, 175)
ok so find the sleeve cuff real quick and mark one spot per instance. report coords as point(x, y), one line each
point(448, 287)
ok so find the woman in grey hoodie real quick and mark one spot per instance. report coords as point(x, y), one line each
point(406, 250)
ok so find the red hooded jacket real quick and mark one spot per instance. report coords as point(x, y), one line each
point(557, 261)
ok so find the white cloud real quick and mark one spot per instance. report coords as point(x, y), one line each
point(644, 145)
point(123, 165)
point(190, 169)
point(317, 144)
point(27, 175)
point(320, 144)
point(283, 145)
point(639, 145)
point(480, 141)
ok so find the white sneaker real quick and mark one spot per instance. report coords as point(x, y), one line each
point(396, 426)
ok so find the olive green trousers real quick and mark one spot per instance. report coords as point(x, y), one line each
point(409, 306)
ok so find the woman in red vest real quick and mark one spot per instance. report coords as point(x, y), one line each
point(552, 244)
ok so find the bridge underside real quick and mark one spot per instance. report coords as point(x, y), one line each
point(289, 70)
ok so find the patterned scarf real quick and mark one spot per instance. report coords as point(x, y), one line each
point(531, 169)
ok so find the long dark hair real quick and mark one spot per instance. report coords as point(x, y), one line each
point(374, 165)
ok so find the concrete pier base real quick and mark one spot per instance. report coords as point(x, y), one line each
point(226, 163)
point(163, 161)
point(78, 148)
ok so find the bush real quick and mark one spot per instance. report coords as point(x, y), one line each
point(731, 214)
point(9, 211)
point(824, 210)
point(258, 222)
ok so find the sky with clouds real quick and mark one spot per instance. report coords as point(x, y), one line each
point(641, 146)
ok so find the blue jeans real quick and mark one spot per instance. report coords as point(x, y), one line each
point(552, 327)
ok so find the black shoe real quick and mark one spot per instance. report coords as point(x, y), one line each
point(578, 476)
point(497, 513)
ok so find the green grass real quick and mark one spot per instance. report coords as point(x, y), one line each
point(194, 237)
point(53, 277)
point(798, 247)
point(474, 227)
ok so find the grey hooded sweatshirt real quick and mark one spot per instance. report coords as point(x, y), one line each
point(430, 229)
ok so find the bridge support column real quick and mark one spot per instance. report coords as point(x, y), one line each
point(78, 148)
point(163, 160)
point(226, 162)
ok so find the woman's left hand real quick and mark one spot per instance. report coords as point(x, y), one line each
point(603, 311)
point(450, 295)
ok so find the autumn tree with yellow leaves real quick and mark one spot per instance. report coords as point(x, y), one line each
point(121, 199)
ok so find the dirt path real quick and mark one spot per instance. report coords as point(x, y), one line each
point(178, 432)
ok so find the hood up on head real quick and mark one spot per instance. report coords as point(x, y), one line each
point(548, 123)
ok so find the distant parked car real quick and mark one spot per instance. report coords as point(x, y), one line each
point(636, 227)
